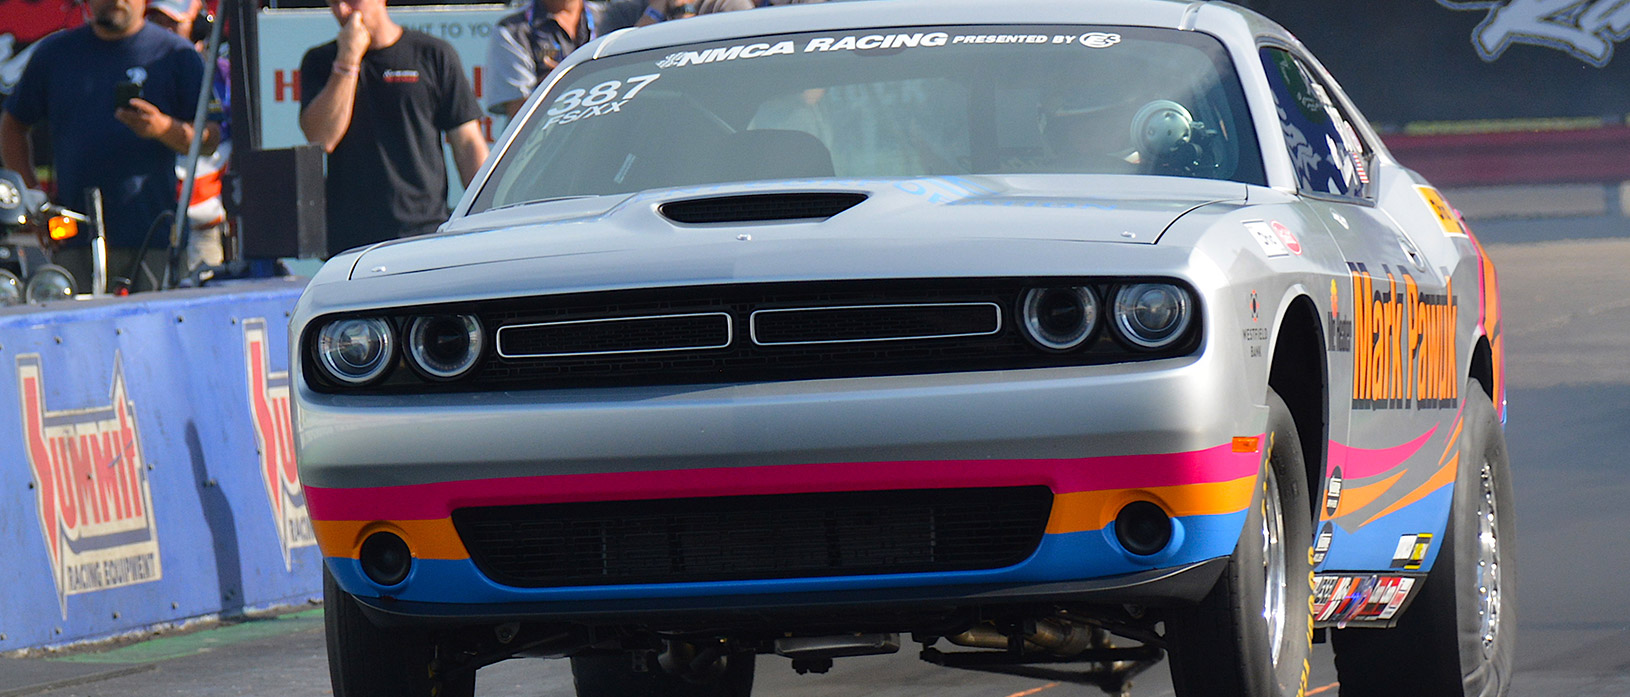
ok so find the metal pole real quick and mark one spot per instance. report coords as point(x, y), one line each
point(245, 111)
point(180, 230)
point(99, 245)
point(245, 67)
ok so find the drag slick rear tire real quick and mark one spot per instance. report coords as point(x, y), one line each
point(1467, 608)
point(613, 675)
point(365, 660)
point(1252, 635)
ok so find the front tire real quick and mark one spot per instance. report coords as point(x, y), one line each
point(365, 660)
point(1466, 610)
point(1252, 635)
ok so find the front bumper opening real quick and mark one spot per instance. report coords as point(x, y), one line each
point(755, 537)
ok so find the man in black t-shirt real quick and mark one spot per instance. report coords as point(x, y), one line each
point(378, 99)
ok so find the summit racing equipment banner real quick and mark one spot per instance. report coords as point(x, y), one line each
point(94, 500)
point(269, 403)
point(152, 479)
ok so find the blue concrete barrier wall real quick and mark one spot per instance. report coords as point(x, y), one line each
point(146, 464)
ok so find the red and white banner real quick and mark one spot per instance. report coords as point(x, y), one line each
point(274, 442)
point(90, 483)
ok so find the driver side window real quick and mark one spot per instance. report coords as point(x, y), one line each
point(1326, 152)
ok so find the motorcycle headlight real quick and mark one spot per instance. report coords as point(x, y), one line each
point(1152, 315)
point(1059, 319)
point(47, 283)
point(443, 347)
point(11, 288)
point(356, 351)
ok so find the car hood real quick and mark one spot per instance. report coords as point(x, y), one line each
point(632, 231)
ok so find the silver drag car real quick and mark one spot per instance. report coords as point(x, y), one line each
point(1051, 336)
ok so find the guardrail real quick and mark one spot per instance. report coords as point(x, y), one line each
point(1592, 155)
point(147, 471)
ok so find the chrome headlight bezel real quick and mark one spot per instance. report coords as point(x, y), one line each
point(326, 350)
point(432, 368)
point(1032, 322)
point(1134, 331)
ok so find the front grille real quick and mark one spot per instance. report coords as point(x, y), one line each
point(755, 537)
point(832, 325)
point(617, 335)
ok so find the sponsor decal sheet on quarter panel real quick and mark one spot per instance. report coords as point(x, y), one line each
point(1395, 344)
point(1395, 360)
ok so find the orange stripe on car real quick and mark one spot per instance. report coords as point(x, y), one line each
point(428, 539)
point(1358, 497)
point(1092, 510)
point(1454, 437)
point(1441, 478)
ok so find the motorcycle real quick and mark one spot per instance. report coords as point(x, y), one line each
point(30, 227)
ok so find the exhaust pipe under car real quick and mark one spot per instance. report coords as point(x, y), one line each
point(1054, 636)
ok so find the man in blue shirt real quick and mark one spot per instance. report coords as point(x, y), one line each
point(125, 149)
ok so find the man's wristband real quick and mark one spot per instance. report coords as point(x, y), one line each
point(655, 15)
point(348, 70)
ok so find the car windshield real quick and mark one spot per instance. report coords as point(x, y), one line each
point(906, 102)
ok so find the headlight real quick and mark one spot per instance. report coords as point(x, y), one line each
point(11, 289)
point(443, 347)
point(356, 351)
point(49, 282)
point(1152, 315)
point(1059, 319)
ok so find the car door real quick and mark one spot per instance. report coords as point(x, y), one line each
point(1388, 322)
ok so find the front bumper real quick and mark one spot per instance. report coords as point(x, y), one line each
point(1187, 583)
point(1168, 431)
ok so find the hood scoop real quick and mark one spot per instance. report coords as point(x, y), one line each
point(760, 208)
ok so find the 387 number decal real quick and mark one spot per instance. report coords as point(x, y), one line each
point(605, 98)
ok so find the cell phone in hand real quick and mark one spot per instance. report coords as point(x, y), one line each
point(124, 92)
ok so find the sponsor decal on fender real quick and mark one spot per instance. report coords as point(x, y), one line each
point(91, 488)
point(1321, 546)
point(1344, 599)
point(1287, 237)
point(1266, 238)
point(1411, 551)
point(1447, 220)
point(1405, 354)
point(274, 440)
point(1332, 493)
point(1340, 331)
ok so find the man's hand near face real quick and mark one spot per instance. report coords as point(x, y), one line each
point(353, 41)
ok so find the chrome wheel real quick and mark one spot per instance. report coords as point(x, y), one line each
point(1488, 561)
point(1273, 564)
